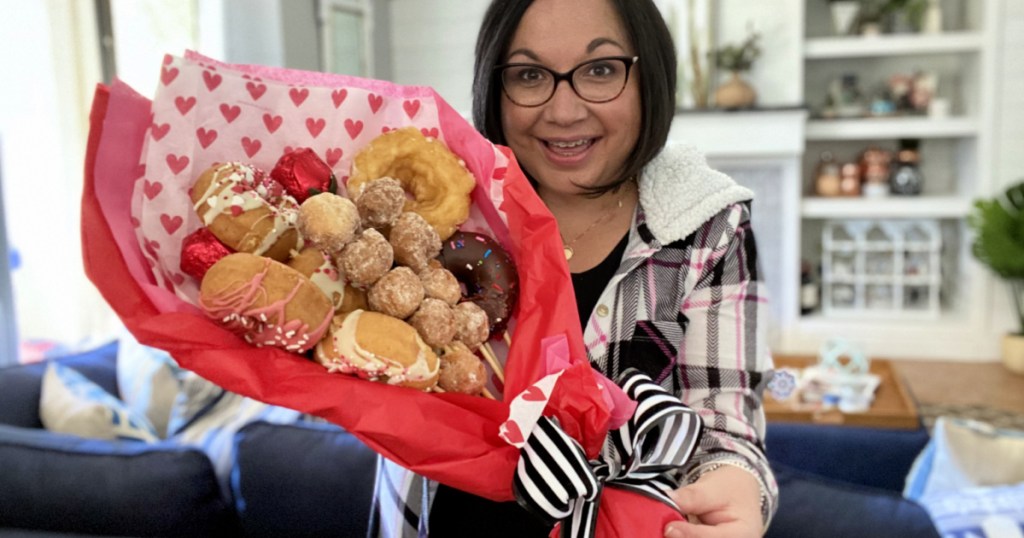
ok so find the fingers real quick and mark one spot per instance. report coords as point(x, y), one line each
point(694, 499)
point(684, 529)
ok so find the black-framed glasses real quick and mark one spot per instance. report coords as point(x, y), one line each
point(596, 81)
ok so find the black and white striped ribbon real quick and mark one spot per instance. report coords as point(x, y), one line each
point(555, 480)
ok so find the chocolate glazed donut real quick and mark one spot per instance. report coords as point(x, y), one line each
point(487, 272)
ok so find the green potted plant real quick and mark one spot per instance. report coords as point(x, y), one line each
point(736, 93)
point(998, 225)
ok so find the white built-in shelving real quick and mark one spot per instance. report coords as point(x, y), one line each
point(826, 48)
point(955, 159)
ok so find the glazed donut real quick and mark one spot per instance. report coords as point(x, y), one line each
point(328, 221)
point(246, 210)
point(379, 348)
point(487, 271)
point(437, 180)
point(266, 302)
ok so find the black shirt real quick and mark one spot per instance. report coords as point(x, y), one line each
point(457, 513)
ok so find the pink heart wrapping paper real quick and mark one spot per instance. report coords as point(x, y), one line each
point(141, 161)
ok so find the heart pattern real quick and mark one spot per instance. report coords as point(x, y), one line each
point(534, 394)
point(511, 432)
point(206, 112)
point(171, 224)
point(353, 127)
point(251, 146)
point(212, 80)
point(272, 123)
point(177, 163)
point(333, 155)
point(314, 126)
point(184, 105)
point(256, 90)
point(411, 108)
point(375, 101)
point(206, 137)
point(159, 131)
point(167, 75)
point(152, 189)
point(298, 95)
point(338, 97)
point(229, 112)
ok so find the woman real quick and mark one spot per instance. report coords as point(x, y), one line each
point(660, 248)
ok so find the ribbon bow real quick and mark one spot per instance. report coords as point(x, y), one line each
point(555, 480)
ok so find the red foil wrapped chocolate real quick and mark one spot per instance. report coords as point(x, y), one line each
point(303, 173)
point(199, 251)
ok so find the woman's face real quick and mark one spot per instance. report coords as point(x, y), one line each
point(567, 140)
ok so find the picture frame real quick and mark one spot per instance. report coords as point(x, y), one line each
point(693, 25)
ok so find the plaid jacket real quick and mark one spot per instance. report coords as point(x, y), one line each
point(687, 306)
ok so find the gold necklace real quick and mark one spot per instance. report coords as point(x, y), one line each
point(605, 217)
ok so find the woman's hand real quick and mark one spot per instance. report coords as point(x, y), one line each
point(724, 503)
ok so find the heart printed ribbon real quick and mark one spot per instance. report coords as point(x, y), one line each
point(555, 480)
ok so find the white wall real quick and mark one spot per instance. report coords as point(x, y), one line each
point(432, 44)
point(1009, 135)
point(777, 73)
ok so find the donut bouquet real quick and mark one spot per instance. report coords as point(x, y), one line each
point(349, 248)
point(359, 281)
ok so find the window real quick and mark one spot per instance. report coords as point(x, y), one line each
point(347, 30)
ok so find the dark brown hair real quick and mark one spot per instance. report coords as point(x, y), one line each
point(651, 41)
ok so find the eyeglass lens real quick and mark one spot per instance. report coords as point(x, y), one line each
point(596, 81)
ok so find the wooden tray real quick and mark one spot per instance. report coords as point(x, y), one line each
point(893, 406)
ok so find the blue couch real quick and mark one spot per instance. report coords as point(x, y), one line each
point(310, 479)
point(304, 479)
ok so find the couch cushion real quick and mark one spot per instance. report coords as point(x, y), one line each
point(20, 385)
point(812, 506)
point(208, 417)
point(302, 480)
point(72, 404)
point(63, 483)
point(873, 457)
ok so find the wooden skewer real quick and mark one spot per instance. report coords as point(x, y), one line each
point(488, 354)
point(508, 339)
point(487, 394)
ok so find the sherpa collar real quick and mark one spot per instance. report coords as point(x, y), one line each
point(679, 192)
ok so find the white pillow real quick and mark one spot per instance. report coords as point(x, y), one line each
point(72, 404)
point(966, 454)
point(147, 378)
point(207, 417)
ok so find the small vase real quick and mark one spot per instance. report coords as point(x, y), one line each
point(844, 15)
point(1013, 353)
point(1013, 344)
point(735, 93)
